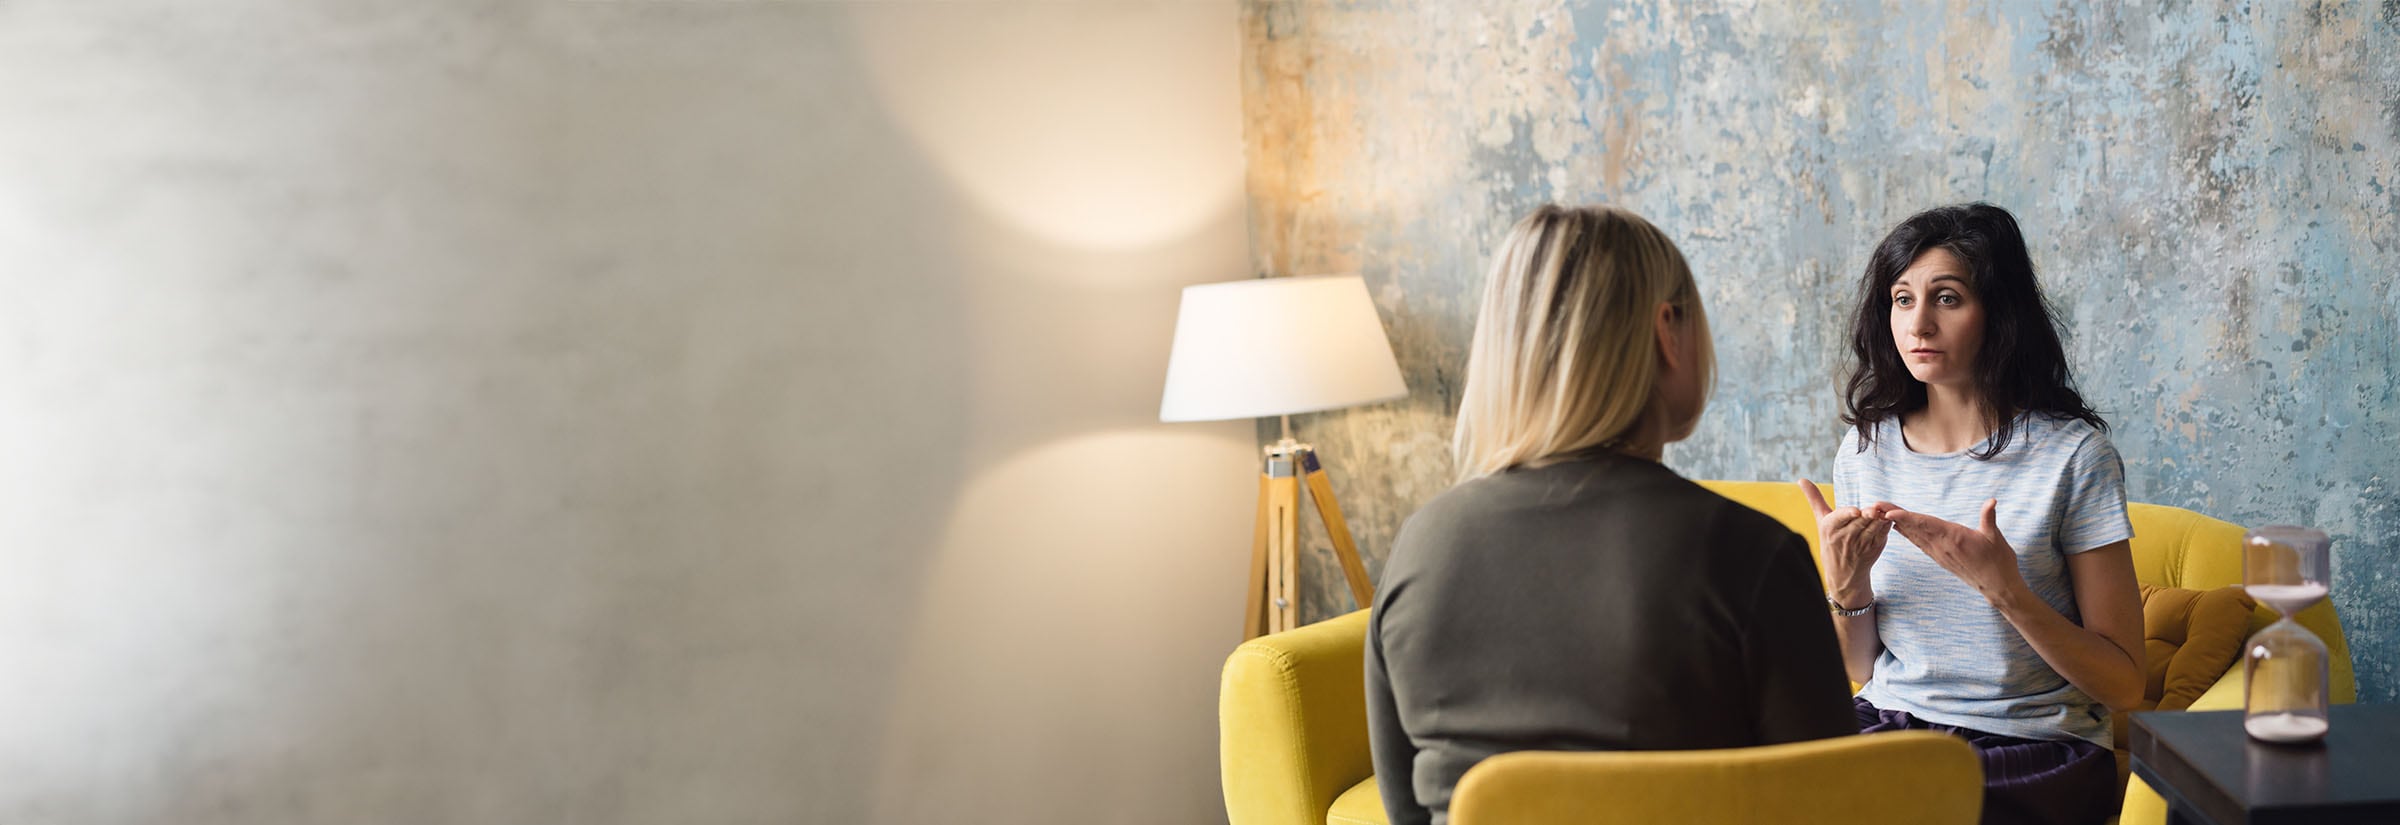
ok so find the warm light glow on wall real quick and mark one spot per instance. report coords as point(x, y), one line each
point(1062, 587)
point(1061, 124)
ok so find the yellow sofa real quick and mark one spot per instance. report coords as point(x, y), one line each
point(1292, 706)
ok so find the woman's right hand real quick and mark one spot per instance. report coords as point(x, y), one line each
point(1851, 540)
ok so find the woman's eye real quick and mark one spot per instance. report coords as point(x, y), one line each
point(1947, 299)
point(1903, 301)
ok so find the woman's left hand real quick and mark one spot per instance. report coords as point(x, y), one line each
point(1980, 557)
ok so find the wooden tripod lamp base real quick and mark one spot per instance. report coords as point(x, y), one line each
point(1266, 347)
point(1274, 601)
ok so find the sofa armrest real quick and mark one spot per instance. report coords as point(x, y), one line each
point(1292, 722)
point(2226, 694)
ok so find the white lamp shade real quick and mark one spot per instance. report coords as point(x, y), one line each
point(1277, 346)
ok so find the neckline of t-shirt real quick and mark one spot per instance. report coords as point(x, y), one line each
point(1900, 434)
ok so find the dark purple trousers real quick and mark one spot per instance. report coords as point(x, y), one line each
point(2025, 781)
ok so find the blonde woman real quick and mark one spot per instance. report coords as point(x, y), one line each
point(1571, 592)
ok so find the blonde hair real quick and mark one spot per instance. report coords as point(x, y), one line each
point(1565, 356)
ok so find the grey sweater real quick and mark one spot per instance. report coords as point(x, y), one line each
point(1603, 603)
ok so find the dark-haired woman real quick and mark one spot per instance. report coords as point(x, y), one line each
point(2004, 609)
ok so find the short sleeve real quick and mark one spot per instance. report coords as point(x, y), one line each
point(1844, 479)
point(2094, 499)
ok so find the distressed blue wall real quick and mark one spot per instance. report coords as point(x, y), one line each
point(2209, 189)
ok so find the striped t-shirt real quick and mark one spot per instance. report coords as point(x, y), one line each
point(1949, 657)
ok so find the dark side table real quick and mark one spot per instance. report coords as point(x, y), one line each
point(2211, 772)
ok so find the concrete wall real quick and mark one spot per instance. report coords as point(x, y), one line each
point(611, 412)
point(2212, 191)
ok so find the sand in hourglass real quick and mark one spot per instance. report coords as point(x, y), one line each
point(2285, 727)
point(2287, 599)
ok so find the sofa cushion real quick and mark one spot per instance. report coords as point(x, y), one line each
point(2191, 637)
point(1362, 804)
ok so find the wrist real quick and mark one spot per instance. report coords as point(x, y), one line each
point(2009, 598)
point(1845, 611)
point(1854, 594)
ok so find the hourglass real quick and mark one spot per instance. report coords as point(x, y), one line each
point(2284, 667)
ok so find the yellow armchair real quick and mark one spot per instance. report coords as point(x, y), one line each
point(1292, 706)
point(1909, 777)
point(1292, 728)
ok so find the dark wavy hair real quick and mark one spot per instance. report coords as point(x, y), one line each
point(2022, 368)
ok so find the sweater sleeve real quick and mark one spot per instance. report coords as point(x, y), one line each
point(1395, 755)
point(1799, 690)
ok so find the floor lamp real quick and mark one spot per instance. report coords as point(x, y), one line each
point(1279, 347)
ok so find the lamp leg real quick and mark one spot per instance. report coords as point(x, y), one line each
point(1283, 545)
point(1345, 549)
point(1254, 613)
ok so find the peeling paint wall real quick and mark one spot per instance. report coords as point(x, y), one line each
point(2209, 190)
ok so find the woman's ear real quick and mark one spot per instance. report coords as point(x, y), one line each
point(1670, 329)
